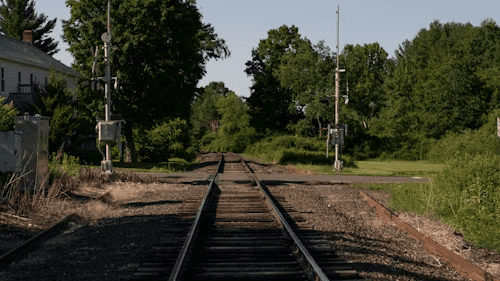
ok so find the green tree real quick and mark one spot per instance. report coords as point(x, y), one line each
point(235, 132)
point(438, 84)
point(165, 140)
point(307, 71)
point(269, 103)
point(310, 72)
point(163, 51)
point(7, 111)
point(17, 16)
point(204, 110)
point(55, 101)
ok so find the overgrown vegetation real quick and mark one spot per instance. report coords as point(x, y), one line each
point(464, 194)
point(163, 141)
point(7, 111)
point(234, 133)
point(56, 102)
point(473, 142)
point(294, 150)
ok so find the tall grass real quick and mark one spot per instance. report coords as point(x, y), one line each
point(17, 198)
point(465, 194)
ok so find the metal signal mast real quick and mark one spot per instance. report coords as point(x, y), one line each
point(336, 134)
point(108, 129)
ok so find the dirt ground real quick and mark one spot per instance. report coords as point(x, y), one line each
point(120, 221)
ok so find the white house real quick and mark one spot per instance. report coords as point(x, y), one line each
point(23, 65)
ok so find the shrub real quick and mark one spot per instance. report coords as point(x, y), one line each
point(62, 163)
point(466, 194)
point(235, 133)
point(7, 111)
point(473, 142)
point(165, 140)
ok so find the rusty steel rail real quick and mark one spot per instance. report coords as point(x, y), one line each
point(190, 241)
point(461, 265)
point(19, 252)
point(306, 258)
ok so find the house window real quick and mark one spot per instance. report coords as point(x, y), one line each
point(3, 81)
point(19, 77)
point(31, 79)
point(46, 80)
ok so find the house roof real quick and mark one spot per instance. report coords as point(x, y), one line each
point(22, 52)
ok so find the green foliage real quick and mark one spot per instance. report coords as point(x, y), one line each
point(6, 113)
point(269, 102)
point(55, 101)
point(204, 111)
point(235, 133)
point(165, 140)
point(19, 15)
point(60, 164)
point(294, 150)
point(467, 195)
point(158, 71)
point(442, 81)
point(473, 142)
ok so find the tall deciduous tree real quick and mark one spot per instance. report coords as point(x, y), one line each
point(269, 103)
point(235, 132)
point(204, 111)
point(163, 51)
point(441, 82)
point(17, 16)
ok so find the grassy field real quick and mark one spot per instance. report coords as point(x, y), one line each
point(381, 168)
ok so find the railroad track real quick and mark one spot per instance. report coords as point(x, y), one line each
point(240, 232)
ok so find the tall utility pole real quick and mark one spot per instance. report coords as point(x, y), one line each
point(337, 164)
point(108, 129)
point(106, 37)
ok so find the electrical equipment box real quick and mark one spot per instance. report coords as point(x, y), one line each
point(337, 134)
point(109, 131)
point(33, 156)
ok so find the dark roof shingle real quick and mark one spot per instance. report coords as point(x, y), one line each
point(22, 52)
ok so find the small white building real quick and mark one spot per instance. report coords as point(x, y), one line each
point(22, 65)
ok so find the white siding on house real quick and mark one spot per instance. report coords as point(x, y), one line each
point(11, 78)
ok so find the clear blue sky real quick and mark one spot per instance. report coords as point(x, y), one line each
point(242, 23)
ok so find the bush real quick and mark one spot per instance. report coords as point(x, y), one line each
point(62, 163)
point(234, 133)
point(165, 140)
point(7, 111)
point(466, 194)
point(473, 142)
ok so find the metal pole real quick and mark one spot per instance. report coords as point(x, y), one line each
point(107, 93)
point(336, 165)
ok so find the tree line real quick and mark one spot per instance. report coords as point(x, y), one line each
point(443, 80)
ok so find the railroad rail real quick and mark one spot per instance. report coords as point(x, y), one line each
point(17, 253)
point(240, 232)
